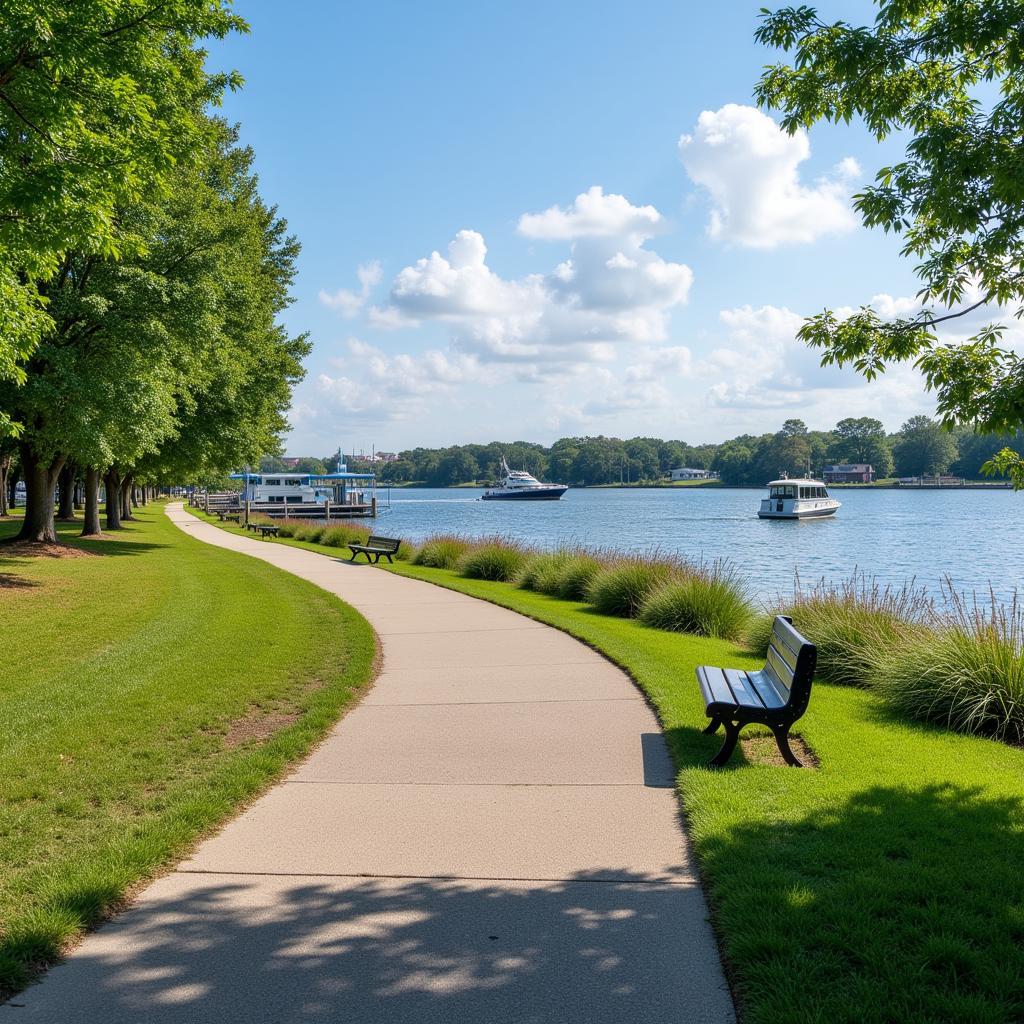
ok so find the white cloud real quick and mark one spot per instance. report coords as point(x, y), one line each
point(376, 386)
point(751, 168)
point(349, 303)
point(612, 289)
point(592, 215)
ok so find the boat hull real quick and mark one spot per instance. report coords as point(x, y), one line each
point(813, 513)
point(534, 494)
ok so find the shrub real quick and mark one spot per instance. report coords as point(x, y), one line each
point(621, 588)
point(309, 532)
point(710, 601)
point(287, 528)
point(573, 580)
point(340, 535)
point(967, 674)
point(499, 560)
point(856, 624)
point(442, 551)
point(541, 571)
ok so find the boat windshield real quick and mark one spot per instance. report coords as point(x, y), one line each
point(783, 491)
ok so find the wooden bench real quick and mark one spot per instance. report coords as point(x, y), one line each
point(231, 517)
point(265, 531)
point(376, 546)
point(776, 696)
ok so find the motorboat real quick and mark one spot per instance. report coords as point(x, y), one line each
point(519, 485)
point(800, 498)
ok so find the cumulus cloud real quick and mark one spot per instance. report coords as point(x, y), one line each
point(592, 215)
point(377, 386)
point(611, 289)
point(348, 302)
point(751, 169)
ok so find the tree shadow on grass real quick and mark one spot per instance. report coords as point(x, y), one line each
point(284, 948)
point(899, 904)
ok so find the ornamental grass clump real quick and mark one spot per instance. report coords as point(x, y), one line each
point(309, 532)
point(287, 527)
point(622, 587)
point(499, 560)
point(855, 625)
point(541, 571)
point(967, 674)
point(342, 534)
point(572, 581)
point(709, 601)
point(442, 551)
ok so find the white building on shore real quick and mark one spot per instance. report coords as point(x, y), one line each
point(694, 474)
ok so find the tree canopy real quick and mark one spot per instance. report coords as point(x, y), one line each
point(949, 75)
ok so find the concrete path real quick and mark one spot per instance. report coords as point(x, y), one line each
point(490, 836)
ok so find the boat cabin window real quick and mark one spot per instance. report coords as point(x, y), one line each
point(293, 483)
point(783, 491)
point(273, 483)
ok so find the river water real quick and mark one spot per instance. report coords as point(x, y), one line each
point(975, 537)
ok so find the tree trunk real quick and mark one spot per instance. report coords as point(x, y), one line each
point(5, 468)
point(91, 526)
point(126, 498)
point(79, 495)
point(112, 485)
point(66, 483)
point(40, 484)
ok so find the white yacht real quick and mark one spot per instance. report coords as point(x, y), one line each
point(521, 486)
point(797, 499)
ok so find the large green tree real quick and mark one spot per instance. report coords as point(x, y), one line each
point(863, 439)
point(99, 101)
point(923, 448)
point(948, 75)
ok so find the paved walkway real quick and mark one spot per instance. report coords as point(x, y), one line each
point(490, 837)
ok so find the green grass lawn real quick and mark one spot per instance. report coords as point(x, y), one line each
point(150, 687)
point(885, 885)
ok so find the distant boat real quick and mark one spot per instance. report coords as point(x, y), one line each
point(521, 486)
point(797, 499)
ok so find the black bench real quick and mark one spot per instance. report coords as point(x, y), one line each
point(776, 696)
point(266, 531)
point(376, 546)
point(231, 517)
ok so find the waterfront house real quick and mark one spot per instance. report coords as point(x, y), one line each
point(849, 473)
point(694, 474)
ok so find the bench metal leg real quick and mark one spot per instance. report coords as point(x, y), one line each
point(732, 734)
point(781, 733)
point(712, 727)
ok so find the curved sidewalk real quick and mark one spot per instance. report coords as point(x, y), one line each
point(491, 835)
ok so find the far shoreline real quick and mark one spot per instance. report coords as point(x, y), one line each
point(970, 485)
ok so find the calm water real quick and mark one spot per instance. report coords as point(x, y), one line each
point(975, 537)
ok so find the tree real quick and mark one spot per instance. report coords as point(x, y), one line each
point(789, 451)
point(99, 102)
point(923, 448)
point(863, 440)
point(957, 199)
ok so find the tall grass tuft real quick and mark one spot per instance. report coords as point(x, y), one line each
point(498, 559)
point(710, 601)
point(622, 587)
point(968, 674)
point(340, 535)
point(310, 532)
point(287, 527)
point(541, 570)
point(442, 551)
point(856, 624)
point(573, 580)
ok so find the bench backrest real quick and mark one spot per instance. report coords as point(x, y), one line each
point(791, 663)
point(389, 543)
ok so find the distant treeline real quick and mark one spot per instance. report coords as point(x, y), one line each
point(920, 447)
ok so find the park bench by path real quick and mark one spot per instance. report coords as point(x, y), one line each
point(776, 696)
point(376, 546)
point(265, 531)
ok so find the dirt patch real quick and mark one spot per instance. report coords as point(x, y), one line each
point(32, 549)
point(258, 725)
point(764, 750)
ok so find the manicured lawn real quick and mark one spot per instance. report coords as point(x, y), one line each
point(885, 885)
point(150, 687)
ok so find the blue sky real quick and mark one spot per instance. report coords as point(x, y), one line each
point(663, 302)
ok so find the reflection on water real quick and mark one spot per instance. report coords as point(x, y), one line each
point(974, 537)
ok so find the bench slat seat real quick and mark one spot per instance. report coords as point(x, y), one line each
point(376, 546)
point(776, 696)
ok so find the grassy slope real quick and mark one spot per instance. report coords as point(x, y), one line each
point(123, 673)
point(886, 885)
